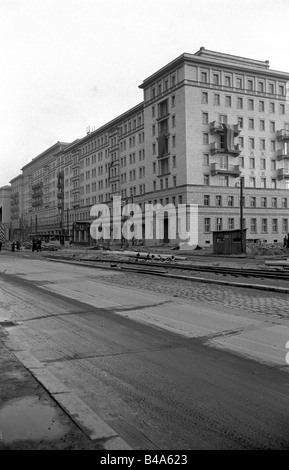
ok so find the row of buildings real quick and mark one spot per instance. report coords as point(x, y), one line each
point(206, 120)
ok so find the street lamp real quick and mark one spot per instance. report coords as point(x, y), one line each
point(240, 184)
point(124, 218)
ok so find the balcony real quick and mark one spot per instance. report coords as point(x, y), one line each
point(283, 173)
point(216, 147)
point(283, 134)
point(282, 154)
point(221, 169)
point(218, 127)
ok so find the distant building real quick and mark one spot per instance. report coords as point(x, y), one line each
point(5, 210)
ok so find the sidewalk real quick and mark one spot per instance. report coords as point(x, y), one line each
point(29, 417)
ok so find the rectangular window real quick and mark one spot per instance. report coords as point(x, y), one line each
point(251, 143)
point(272, 126)
point(219, 223)
point(261, 106)
point(274, 225)
point(251, 105)
point(239, 83)
point(216, 79)
point(272, 145)
point(231, 223)
point(204, 97)
point(224, 180)
point(205, 118)
point(282, 109)
point(285, 225)
point(216, 99)
point(250, 85)
point(231, 201)
point(240, 103)
point(251, 123)
point(206, 180)
point(263, 182)
point(252, 182)
point(284, 202)
point(206, 159)
point(263, 163)
point(272, 108)
point(263, 202)
point(252, 164)
point(205, 138)
point(261, 125)
point(264, 226)
point(273, 183)
point(228, 101)
point(241, 122)
point(253, 225)
point(252, 201)
point(206, 200)
point(204, 77)
point(218, 201)
point(274, 202)
point(241, 144)
point(227, 81)
point(262, 145)
point(261, 87)
point(207, 225)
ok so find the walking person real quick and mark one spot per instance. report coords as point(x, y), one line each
point(34, 244)
point(18, 245)
point(39, 244)
point(13, 244)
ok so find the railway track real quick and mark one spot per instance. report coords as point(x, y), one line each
point(173, 266)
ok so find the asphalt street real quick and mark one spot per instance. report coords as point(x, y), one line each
point(161, 372)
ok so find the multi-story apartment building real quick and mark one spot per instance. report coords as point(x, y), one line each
point(211, 118)
point(40, 183)
point(17, 220)
point(207, 120)
point(5, 211)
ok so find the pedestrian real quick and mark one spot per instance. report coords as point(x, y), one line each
point(18, 245)
point(39, 244)
point(34, 244)
point(0, 245)
point(13, 244)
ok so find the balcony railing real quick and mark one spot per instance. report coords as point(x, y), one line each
point(223, 169)
point(216, 147)
point(283, 173)
point(282, 153)
point(217, 127)
point(283, 134)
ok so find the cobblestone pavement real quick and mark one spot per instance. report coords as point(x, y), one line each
point(256, 301)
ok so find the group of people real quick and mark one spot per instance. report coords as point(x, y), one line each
point(286, 241)
point(16, 245)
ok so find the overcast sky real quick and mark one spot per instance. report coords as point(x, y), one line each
point(68, 64)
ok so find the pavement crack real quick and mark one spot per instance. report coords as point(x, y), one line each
point(93, 356)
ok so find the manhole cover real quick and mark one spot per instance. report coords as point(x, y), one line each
point(7, 323)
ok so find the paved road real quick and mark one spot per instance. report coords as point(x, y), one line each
point(156, 368)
